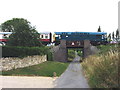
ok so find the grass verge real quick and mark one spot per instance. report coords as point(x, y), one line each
point(102, 70)
point(44, 69)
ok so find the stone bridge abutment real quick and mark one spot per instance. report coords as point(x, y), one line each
point(60, 52)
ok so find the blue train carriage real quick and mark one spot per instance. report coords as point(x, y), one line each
point(96, 38)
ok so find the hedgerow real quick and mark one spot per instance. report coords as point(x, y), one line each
point(16, 51)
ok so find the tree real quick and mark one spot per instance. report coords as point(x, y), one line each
point(99, 29)
point(0, 28)
point(113, 36)
point(23, 34)
point(117, 34)
point(109, 37)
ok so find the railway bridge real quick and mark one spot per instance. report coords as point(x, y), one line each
point(60, 52)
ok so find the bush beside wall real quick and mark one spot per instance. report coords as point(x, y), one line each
point(11, 51)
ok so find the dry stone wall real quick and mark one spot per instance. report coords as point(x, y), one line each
point(13, 63)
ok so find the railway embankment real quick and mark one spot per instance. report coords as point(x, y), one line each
point(101, 69)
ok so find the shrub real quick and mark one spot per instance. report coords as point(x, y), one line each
point(80, 53)
point(12, 51)
point(71, 55)
point(49, 56)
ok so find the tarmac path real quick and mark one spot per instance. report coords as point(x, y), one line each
point(73, 76)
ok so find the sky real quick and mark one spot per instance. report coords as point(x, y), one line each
point(63, 15)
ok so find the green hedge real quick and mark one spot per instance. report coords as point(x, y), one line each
point(10, 51)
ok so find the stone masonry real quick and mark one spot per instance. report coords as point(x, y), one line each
point(13, 63)
point(60, 52)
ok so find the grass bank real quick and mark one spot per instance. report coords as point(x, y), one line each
point(101, 70)
point(44, 69)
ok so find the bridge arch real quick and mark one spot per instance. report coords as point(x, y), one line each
point(60, 54)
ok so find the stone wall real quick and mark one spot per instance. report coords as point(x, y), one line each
point(13, 63)
point(86, 49)
point(60, 52)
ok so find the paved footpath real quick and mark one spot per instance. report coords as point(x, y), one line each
point(72, 77)
point(26, 82)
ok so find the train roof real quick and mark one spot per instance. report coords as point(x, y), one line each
point(11, 32)
point(44, 32)
point(5, 32)
point(69, 33)
point(92, 33)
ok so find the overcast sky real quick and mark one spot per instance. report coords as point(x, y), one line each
point(63, 15)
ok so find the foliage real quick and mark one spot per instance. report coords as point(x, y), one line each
point(44, 69)
point(49, 56)
point(109, 37)
point(113, 36)
point(102, 70)
point(23, 34)
point(117, 34)
point(80, 53)
point(99, 29)
point(15, 23)
point(11, 51)
point(71, 54)
point(104, 48)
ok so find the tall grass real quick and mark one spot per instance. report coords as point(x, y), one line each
point(102, 70)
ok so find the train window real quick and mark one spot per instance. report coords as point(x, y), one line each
point(59, 37)
point(86, 33)
point(41, 36)
point(56, 35)
point(73, 33)
point(5, 36)
point(105, 36)
point(64, 33)
point(102, 36)
point(46, 37)
point(98, 36)
point(81, 33)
